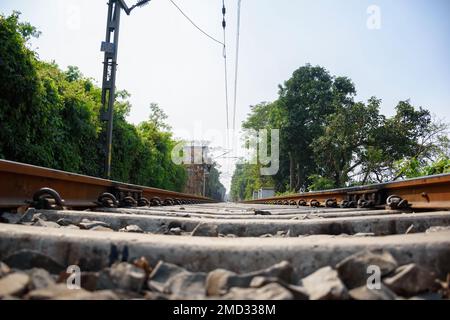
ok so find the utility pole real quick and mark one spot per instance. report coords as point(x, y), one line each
point(110, 48)
point(204, 181)
point(206, 167)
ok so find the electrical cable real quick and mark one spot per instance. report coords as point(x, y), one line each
point(224, 53)
point(224, 26)
point(195, 25)
point(237, 63)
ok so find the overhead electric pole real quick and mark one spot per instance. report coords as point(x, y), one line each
point(110, 48)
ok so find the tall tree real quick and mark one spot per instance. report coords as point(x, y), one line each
point(50, 117)
point(301, 112)
point(214, 188)
point(347, 138)
point(328, 140)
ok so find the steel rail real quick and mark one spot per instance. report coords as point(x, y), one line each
point(20, 183)
point(430, 192)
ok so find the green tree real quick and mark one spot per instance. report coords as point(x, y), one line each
point(318, 183)
point(328, 140)
point(214, 188)
point(50, 118)
point(243, 182)
point(345, 142)
point(301, 113)
point(410, 134)
point(308, 98)
point(158, 117)
point(73, 73)
point(18, 77)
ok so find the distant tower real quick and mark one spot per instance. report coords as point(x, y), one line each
point(198, 165)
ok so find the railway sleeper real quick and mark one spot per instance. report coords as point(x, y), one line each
point(285, 269)
point(309, 224)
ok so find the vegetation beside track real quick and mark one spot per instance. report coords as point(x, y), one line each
point(50, 118)
point(329, 140)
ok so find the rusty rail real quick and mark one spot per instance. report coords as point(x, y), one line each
point(22, 185)
point(431, 192)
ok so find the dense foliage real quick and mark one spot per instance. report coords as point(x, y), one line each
point(51, 118)
point(329, 140)
point(214, 188)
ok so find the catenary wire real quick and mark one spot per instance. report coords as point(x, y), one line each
point(195, 25)
point(237, 63)
point(224, 26)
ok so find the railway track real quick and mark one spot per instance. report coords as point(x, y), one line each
point(431, 192)
point(24, 185)
point(144, 243)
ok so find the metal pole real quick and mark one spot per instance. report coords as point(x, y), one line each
point(109, 76)
point(204, 181)
point(204, 169)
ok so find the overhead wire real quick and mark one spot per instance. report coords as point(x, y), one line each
point(224, 53)
point(195, 25)
point(236, 63)
point(224, 26)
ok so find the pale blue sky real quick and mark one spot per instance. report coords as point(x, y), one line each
point(163, 59)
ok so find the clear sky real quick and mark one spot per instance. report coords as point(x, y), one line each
point(163, 59)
